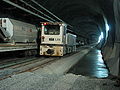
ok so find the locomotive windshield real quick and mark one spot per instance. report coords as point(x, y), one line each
point(52, 29)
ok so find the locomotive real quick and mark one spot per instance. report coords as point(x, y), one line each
point(17, 35)
point(56, 40)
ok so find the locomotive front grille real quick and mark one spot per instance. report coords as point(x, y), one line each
point(50, 51)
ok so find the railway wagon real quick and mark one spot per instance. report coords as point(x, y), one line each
point(17, 35)
point(55, 41)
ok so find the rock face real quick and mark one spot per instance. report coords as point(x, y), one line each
point(112, 51)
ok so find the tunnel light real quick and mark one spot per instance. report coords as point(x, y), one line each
point(107, 27)
point(100, 37)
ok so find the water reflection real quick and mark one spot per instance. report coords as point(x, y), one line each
point(91, 65)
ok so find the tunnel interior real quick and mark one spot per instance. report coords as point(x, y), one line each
point(93, 20)
point(88, 17)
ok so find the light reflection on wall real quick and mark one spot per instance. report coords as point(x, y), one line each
point(100, 37)
point(107, 27)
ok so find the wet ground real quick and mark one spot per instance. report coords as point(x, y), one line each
point(91, 64)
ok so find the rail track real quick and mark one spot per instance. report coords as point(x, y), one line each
point(16, 66)
point(12, 66)
point(15, 61)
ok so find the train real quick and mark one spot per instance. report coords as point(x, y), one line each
point(56, 40)
point(53, 39)
point(17, 35)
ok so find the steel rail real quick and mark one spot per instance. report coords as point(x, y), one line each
point(27, 66)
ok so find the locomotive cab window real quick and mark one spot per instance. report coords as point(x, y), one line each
point(52, 29)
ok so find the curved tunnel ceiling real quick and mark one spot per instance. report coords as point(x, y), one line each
point(86, 16)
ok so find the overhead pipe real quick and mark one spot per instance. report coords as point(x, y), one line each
point(18, 6)
point(49, 12)
point(46, 10)
point(37, 10)
point(9, 2)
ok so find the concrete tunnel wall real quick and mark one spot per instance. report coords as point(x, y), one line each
point(111, 51)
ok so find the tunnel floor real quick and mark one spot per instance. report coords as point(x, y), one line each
point(91, 65)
